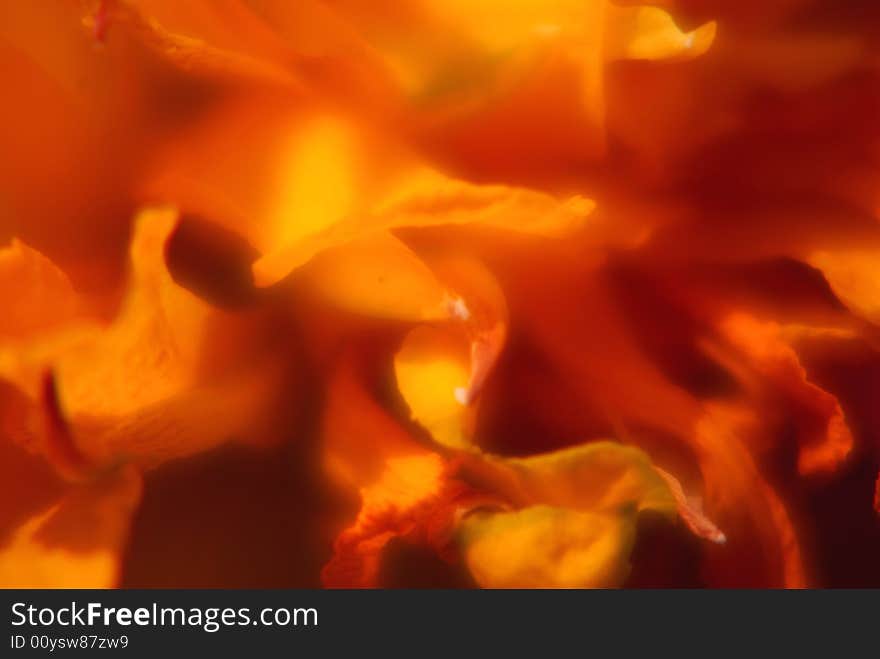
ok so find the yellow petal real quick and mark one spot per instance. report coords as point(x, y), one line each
point(577, 525)
point(441, 370)
point(650, 33)
point(432, 369)
point(319, 179)
point(330, 200)
point(548, 547)
point(429, 198)
point(598, 476)
point(378, 275)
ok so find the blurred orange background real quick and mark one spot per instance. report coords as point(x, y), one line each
point(435, 293)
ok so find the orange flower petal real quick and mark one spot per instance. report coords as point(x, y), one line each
point(304, 179)
point(623, 383)
point(691, 511)
point(199, 41)
point(420, 197)
point(576, 519)
point(599, 476)
point(34, 294)
point(78, 541)
point(581, 502)
point(650, 33)
point(853, 276)
point(132, 390)
point(822, 448)
point(762, 545)
point(414, 495)
point(379, 276)
point(441, 370)
point(358, 436)
point(432, 368)
point(597, 487)
point(65, 132)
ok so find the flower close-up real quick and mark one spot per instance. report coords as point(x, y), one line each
point(440, 294)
